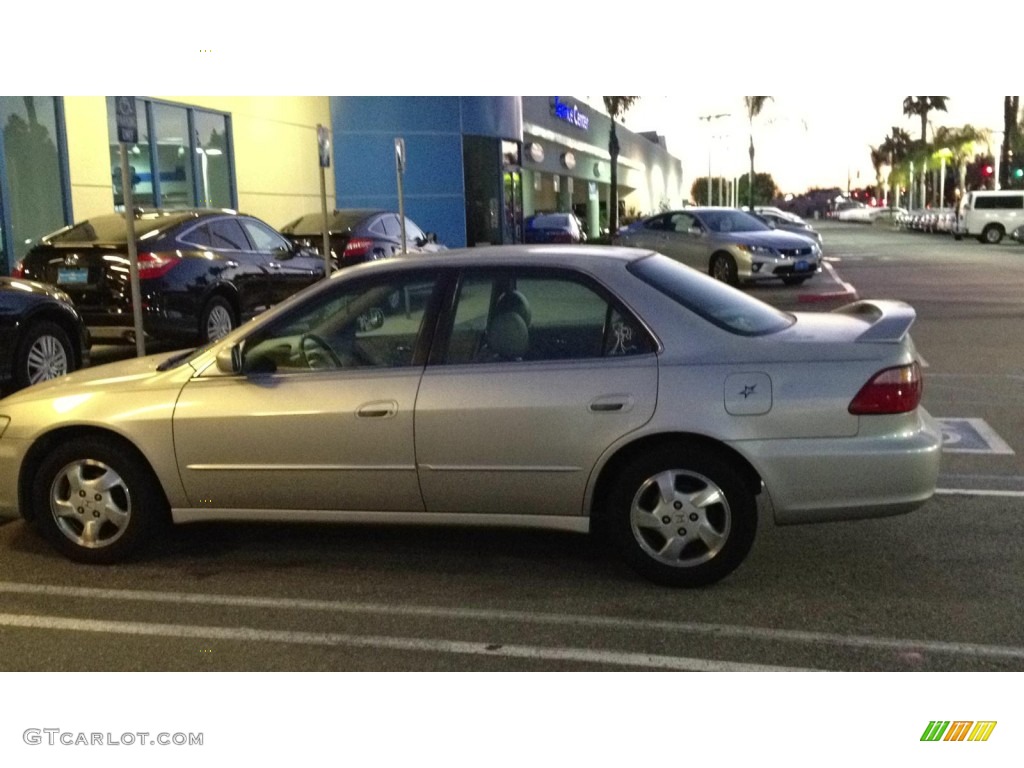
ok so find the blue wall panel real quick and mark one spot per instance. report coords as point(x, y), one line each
point(365, 128)
point(437, 114)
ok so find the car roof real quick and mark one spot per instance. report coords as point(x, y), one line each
point(573, 256)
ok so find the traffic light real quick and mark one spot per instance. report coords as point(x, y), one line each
point(1018, 173)
point(987, 170)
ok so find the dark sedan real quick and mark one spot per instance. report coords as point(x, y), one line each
point(553, 228)
point(201, 271)
point(360, 234)
point(42, 336)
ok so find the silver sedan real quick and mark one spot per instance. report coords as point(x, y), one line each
point(577, 388)
point(730, 245)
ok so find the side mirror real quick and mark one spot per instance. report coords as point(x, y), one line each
point(229, 360)
point(431, 237)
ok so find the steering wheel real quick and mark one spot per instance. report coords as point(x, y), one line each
point(317, 353)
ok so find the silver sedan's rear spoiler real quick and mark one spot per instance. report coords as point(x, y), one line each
point(888, 321)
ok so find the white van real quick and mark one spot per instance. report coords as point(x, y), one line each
point(989, 215)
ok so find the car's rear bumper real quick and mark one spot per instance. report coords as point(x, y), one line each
point(828, 479)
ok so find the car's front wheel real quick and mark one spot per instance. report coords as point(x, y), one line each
point(683, 516)
point(96, 500)
point(723, 267)
point(45, 352)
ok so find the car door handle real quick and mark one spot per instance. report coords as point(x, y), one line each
point(231, 263)
point(275, 265)
point(383, 409)
point(612, 404)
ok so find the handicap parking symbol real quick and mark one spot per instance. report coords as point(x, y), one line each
point(971, 436)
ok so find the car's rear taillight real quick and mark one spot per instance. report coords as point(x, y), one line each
point(357, 246)
point(893, 390)
point(153, 265)
point(19, 269)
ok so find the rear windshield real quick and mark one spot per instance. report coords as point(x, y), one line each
point(111, 230)
point(716, 302)
point(313, 223)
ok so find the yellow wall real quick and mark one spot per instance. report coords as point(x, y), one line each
point(276, 167)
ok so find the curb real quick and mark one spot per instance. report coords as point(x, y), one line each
point(846, 293)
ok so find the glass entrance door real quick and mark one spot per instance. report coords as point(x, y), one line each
point(513, 207)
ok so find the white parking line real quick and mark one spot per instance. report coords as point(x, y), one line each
point(899, 645)
point(978, 492)
point(250, 634)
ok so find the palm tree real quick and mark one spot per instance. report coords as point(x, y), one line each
point(754, 105)
point(616, 106)
point(878, 158)
point(1011, 108)
point(921, 106)
point(961, 144)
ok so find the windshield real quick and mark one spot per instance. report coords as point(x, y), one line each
point(727, 220)
point(716, 302)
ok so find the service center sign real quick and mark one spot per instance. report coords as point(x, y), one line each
point(569, 114)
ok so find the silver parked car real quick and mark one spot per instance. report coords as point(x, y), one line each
point(564, 387)
point(790, 224)
point(730, 245)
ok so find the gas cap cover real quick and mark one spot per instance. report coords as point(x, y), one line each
point(748, 394)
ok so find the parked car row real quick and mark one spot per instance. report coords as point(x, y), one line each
point(932, 220)
point(201, 271)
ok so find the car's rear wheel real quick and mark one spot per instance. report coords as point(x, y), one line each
point(217, 319)
point(96, 500)
point(45, 352)
point(992, 234)
point(683, 516)
point(723, 267)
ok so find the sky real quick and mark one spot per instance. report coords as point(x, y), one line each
point(803, 139)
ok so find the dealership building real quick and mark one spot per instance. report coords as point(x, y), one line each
point(474, 167)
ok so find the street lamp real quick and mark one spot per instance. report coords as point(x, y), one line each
point(708, 119)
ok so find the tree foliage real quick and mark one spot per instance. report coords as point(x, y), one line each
point(920, 106)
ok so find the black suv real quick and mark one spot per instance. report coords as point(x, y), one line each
point(201, 271)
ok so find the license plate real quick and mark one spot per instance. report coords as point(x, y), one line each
point(72, 276)
point(801, 266)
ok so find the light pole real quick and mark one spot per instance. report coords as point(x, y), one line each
point(708, 119)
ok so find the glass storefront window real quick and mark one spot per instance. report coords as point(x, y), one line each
point(214, 160)
point(33, 185)
point(183, 162)
point(173, 157)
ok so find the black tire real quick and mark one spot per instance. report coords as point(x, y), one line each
point(991, 235)
point(794, 280)
point(723, 267)
point(96, 501)
point(216, 320)
point(45, 352)
point(697, 537)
